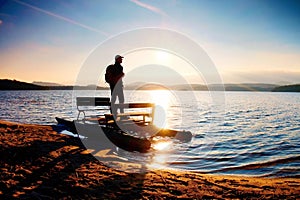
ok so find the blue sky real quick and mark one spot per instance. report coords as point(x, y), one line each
point(248, 41)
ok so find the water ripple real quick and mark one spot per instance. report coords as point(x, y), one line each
point(257, 135)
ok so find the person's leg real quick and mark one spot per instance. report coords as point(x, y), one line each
point(113, 99)
point(120, 95)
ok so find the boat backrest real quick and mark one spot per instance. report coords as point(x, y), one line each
point(92, 104)
point(93, 101)
point(137, 105)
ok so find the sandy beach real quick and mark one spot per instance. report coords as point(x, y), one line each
point(37, 162)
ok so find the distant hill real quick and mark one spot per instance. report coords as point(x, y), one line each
point(45, 83)
point(250, 87)
point(151, 86)
point(187, 87)
point(6, 84)
point(212, 87)
point(287, 88)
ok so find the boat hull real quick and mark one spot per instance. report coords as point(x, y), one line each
point(119, 137)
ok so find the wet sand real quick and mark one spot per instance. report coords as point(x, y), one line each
point(36, 162)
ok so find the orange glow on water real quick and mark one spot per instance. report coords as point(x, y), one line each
point(162, 145)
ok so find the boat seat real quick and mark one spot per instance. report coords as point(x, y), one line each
point(144, 111)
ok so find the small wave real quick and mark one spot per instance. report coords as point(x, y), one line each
point(228, 131)
point(294, 129)
point(179, 162)
point(284, 173)
point(228, 124)
point(255, 154)
point(260, 165)
point(203, 121)
point(199, 136)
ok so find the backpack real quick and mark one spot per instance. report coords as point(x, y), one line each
point(109, 77)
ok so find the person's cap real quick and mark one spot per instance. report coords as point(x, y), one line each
point(118, 56)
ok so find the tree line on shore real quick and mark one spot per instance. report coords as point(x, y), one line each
point(6, 84)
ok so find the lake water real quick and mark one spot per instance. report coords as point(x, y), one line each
point(241, 133)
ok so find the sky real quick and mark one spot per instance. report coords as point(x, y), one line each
point(248, 41)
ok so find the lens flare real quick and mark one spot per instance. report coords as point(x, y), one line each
point(161, 145)
point(162, 100)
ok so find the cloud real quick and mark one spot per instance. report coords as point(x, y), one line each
point(149, 7)
point(61, 17)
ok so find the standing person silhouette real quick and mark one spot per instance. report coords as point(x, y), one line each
point(116, 83)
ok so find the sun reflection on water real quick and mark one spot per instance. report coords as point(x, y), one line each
point(161, 155)
point(162, 100)
point(161, 145)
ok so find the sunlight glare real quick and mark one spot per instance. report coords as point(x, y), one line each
point(161, 145)
point(163, 57)
point(162, 99)
point(160, 158)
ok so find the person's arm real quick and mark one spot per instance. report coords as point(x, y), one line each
point(119, 76)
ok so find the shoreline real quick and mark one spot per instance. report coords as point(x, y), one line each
point(7, 84)
point(38, 162)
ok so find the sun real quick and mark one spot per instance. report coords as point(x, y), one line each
point(162, 57)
